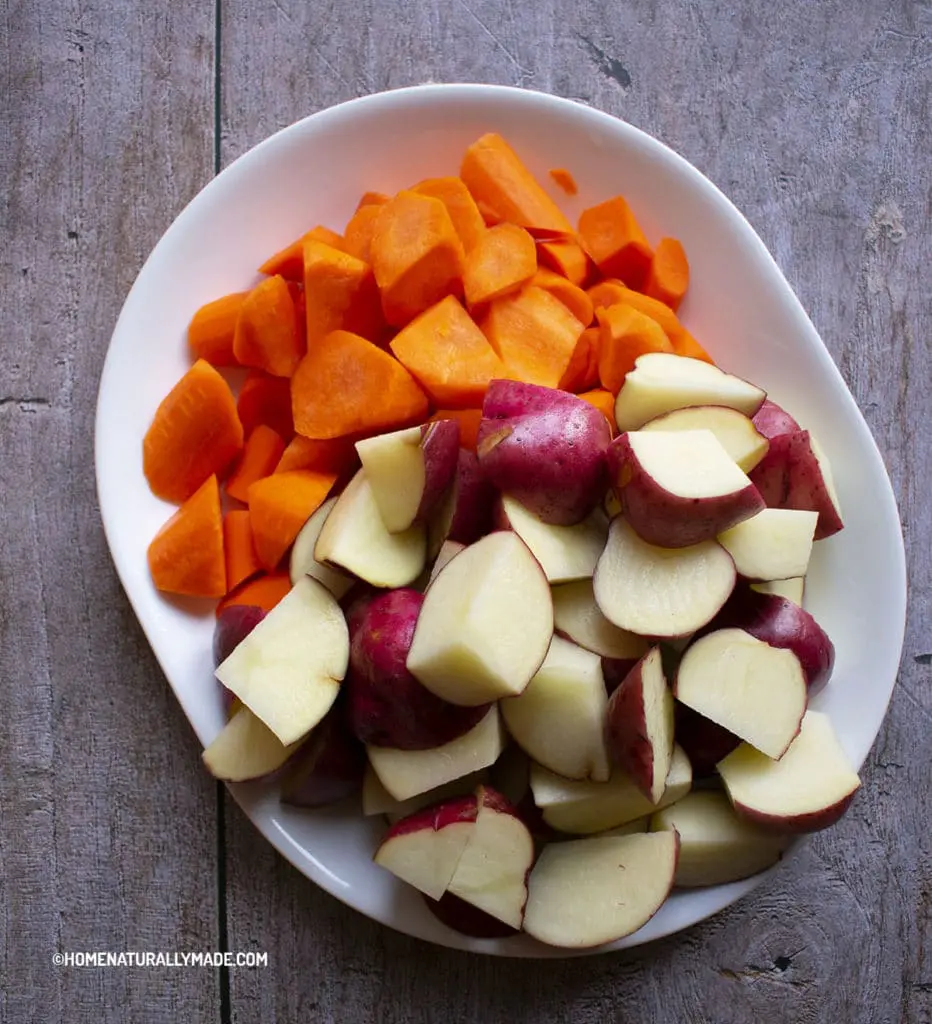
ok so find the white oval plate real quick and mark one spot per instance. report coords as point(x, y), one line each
point(739, 306)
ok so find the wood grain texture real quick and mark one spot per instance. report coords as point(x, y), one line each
point(813, 119)
point(107, 823)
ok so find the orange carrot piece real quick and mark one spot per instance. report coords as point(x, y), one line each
point(289, 262)
point(685, 344)
point(242, 562)
point(452, 192)
point(607, 293)
point(582, 374)
point(279, 505)
point(417, 256)
point(534, 335)
point(340, 293)
point(574, 298)
point(372, 199)
point(468, 419)
point(186, 555)
point(260, 456)
point(265, 399)
point(263, 591)
point(566, 257)
point(448, 355)
point(268, 335)
point(195, 434)
point(668, 276)
point(210, 333)
point(564, 179)
point(613, 238)
point(336, 455)
point(358, 233)
point(489, 216)
point(497, 179)
point(604, 401)
point(503, 259)
point(625, 334)
point(346, 385)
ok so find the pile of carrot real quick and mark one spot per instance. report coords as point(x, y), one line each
point(425, 297)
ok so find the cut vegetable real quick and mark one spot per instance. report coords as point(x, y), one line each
point(334, 455)
point(266, 399)
point(341, 294)
point(500, 261)
point(268, 335)
point(567, 258)
point(668, 276)
point(452, 192)
point(186, 555)
point(263, 591)
point(289, 262)
point(613, 238)
point(210, 333)
point(582, 373)
point(261, 454)
point(279, 505)
point(303, 562)
point(242, 561)
point(625, 334)
point(573, 297)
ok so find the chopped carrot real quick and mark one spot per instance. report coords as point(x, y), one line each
point(268, 335)
point(242, 562)
point(534, 335)
point(289, 262)
point(685, 344)
point(372, 199)
point(186, 555)
point(336, 455)
point(565, 180)
point(582, 374)
point(279, 505)
point(604, 401)
point(607, 293)
point(210, 333)
point(489, 216)
point(613, 238)
point(566, 257)
point(502, 260)
point(468, 419)
point(497, 179)
point(195, 434)
point(626, 334)
point(668, 276)
point(448, 355)
point(260, 456)
point(265, 399)
point(357, 235)
point(417, 256)
point(452, 192)
point(574, 298)
point(340, 293)
point(347, 385)
point(263, 591)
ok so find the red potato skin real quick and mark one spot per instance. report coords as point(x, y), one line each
point(704, 742)
point(233, 625)
point(544, 447)
point(436, 817)
point(475, 501)
point(798, 824)
point(386, 705)
point(780, 623)
point(440, 444)
point(771, 420)
point(670, 520)
point(788, 476)
point(468, 920)
point(328, 767)
point(614, 671)
point(626, 727)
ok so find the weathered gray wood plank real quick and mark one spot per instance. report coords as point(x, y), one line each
point(814, 119)
point(107, 823)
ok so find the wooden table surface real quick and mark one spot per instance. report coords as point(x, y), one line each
point(815, 119)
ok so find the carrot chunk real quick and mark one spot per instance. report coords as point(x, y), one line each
point(358, 232)
point(186, 555)
point(268, 334)
point(566, 257)
point(573, 297)
point(260, 456)
point(372, 199)
point(289, 262)
point(263, 591)
point(668, 276)
point(625, 334)
point(502, 260)
point(604, 401)
point(195, 433)
point(210, 333)
point(417, 256)
point(452, 192)
point(242, 562)
point(613, 238)
point(563, 179)
point(336, 455)
point(265, 399)
point(534, 335)
point(582, 373)
point(468, 419)
point(347, 385)
point(279, 505)
point(339, 293)
point(500, 182)
point(448, 355)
